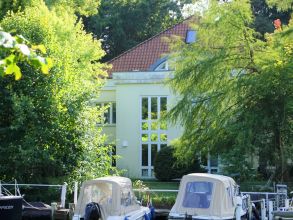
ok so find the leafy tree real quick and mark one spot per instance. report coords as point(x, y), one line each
point(123, 24)
point(81, 7)
point(14, 50)
point(235, 89)
point(264, 16)
point(47, 126)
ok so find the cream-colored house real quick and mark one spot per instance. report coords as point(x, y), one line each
point(138, 97)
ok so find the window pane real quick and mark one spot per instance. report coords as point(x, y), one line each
point(154, 125)
point(113, 113)
point(144, 126)
point(154, 137)
point(163, 103)
point(154, 151)
point(154, 108)
point(144, 172)
point(198, 195)
point(144, 108)
point(144, 156)
point(163, 146)
point(190, 36)
point(107, 114)
point(163, 125)
point(144, 137)
point(163, 137)
point(214, 161)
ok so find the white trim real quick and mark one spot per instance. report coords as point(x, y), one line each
point(149, 131)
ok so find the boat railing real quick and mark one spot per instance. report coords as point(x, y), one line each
point(267, 202)
point(63, 188)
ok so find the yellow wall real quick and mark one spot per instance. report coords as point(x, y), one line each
point(127, 96)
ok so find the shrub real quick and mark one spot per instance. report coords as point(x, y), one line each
point(168, 167)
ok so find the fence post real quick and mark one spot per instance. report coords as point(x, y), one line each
point(75, 192)
point(263, 209)
point(249, 204)
point(271, 208)
point(63, 195)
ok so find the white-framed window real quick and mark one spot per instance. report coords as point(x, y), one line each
point(109, 116)
point(153, 130)
point(163, 66)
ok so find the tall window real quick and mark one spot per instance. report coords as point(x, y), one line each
point(153, 131)
point(109, 116)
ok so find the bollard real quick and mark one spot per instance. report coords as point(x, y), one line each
point(271, 207)
point(71, 210)
point(53, 210)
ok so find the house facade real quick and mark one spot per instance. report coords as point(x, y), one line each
point(138, 97)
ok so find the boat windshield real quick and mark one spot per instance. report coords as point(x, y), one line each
point(99, 192)
point(198, 195)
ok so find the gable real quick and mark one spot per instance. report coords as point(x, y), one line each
point(147, 54)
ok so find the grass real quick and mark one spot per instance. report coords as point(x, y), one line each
point(162, 185)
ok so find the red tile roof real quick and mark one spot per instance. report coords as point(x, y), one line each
point(142, 56)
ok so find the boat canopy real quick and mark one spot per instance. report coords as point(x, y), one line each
point(202, 194)
point(114, 195)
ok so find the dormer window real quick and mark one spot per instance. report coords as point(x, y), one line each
point(190, 36)
point(163, 66)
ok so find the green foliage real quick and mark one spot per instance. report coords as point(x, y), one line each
point(264, 16)
point(283, 5)
point(166, 166)
point(123, 24)
point(81, 7)
point(163, 202)
point(47, 127)
point(15, 50)
point(235, 89)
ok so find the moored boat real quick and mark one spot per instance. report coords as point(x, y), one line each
point(10, 207)
point(112, 198)
point(208, 196)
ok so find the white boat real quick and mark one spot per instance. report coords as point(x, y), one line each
point(208, 196)
point(115, 199)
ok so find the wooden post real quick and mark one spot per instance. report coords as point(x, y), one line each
point(53, 210)
point(63, 195)
point(75, 192)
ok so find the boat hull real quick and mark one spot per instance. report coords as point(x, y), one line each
point(11, 207)
point(139, 214)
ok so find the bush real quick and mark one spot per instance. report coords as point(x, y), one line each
point(167, 167)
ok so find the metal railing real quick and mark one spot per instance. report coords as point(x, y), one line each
point(17, 185)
